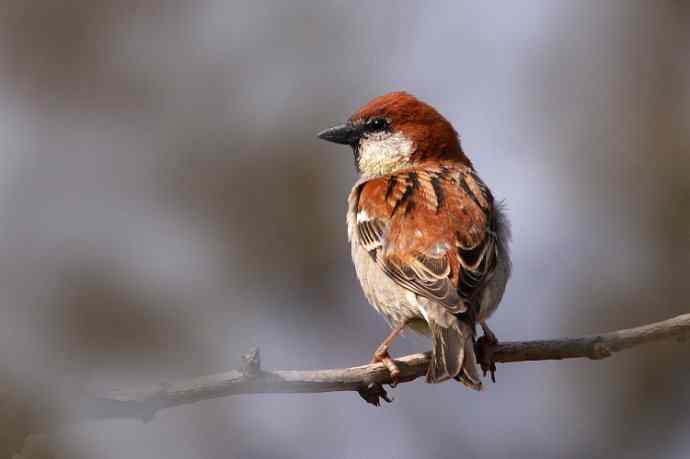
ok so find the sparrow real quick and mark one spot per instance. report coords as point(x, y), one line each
point(429, 243)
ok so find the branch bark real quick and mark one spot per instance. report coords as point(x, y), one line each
point(368, 380)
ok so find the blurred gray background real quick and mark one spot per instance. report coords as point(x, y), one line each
point(165, 205)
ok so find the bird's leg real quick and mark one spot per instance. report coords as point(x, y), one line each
point(488, 333)
point(381, 354)
point(486, 345)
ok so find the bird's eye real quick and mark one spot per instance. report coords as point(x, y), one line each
point(378, 124)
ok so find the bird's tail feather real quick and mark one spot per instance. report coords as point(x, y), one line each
point(452, 355)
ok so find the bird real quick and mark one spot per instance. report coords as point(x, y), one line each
point(429, 242)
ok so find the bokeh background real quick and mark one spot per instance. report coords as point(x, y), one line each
point(165, 205)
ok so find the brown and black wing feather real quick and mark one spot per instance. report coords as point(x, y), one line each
point(430, 230)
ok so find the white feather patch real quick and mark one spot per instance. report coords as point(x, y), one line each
point(362, 216)
point(383, 153)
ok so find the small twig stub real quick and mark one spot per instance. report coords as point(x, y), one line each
point(251, 363)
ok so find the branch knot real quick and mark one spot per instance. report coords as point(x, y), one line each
point(599, 351)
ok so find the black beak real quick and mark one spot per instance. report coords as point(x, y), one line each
point(345, 134)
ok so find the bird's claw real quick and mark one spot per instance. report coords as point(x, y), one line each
point(485, 355)
point(385, 358)
point(395, 377)
point(373, 393)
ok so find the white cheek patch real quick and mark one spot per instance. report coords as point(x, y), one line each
point(362, 216)
point(383, 153)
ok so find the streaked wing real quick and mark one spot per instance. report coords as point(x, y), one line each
point(430, 229)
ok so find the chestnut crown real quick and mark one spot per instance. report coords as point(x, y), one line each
point(394, 131)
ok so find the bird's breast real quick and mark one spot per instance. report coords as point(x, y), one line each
point(395, 303)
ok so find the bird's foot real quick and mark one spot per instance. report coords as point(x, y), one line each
point(385, 358)
point(373, 393)
point(485, 354)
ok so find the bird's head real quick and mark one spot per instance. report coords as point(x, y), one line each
point(395, 131)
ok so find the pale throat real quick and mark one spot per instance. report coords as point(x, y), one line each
point(384, 153)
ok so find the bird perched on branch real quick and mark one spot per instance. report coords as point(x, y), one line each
point(429, 243)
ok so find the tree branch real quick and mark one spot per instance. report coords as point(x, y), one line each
point(368, 380)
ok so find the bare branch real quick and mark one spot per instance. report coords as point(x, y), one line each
point(368, 380)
